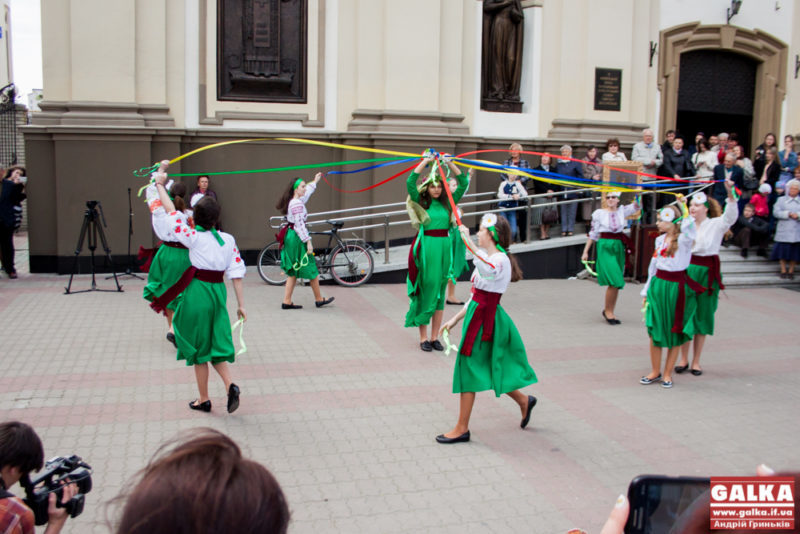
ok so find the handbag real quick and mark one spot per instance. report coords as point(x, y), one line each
point(549, 215)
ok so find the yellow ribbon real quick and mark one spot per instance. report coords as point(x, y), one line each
point(240, 325)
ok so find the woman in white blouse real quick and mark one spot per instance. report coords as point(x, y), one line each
point(612, 244)
point(704, 161)
point(669, 304)
point(491, 354)
point(711, 223)
point(614, 153)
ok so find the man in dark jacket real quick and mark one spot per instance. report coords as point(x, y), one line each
point(750, 229)
point(676, 161)
point(728, 169)
point(572, 169)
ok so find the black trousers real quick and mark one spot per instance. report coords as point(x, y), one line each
point(7, 248)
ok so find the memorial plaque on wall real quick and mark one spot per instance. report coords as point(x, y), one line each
point(261, 50)
point(607, 89)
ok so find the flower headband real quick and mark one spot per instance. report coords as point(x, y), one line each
point(668, 215)
point(489, 221)
point(614, 194)
point(700, 198)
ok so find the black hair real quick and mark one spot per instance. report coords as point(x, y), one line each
point(20, 447)
point(11, 169)
point(503, 230)
point(283, 203)
point(178, 192)
point(206, 213)
point(425, 198)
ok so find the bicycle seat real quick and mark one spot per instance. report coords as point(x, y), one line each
point(336, 224)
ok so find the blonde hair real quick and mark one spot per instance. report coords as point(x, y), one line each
point(515, 146)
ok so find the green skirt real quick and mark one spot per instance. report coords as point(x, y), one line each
point(295, 259)
point(500, 364)
point(662, 297)
point(611, 263)
point(202, 326)
point(459, 264)
point(426, 296)
point(706, 302)
point(167, 267)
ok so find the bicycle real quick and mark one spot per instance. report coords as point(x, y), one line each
point(350, 263)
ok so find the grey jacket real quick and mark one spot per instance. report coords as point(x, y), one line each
point(788, 230)
point(644, 154)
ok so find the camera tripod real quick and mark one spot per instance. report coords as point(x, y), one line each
point(90, 227)
point(128, 268)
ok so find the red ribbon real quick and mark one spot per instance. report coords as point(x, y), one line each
point(146, 255)
point(683, 279)
point(483, 316)
point(281, 235)
point(372, 186)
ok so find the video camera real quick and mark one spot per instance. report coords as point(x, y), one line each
point(57, 473)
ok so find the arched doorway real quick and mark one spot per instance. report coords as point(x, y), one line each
point(715, 94)
point(768, 54)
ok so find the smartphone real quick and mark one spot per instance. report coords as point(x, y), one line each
point(660, 504)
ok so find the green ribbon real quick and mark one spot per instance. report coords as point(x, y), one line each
point(589, 269)
point(447, 345)
point(240, 325)
point(493, 230)
point(214, 232)
point(274, 169)
point(644, 310)
point(302, 263)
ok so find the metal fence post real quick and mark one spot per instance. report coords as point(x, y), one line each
point(385, 239)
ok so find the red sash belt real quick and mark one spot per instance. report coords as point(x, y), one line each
point(173, 244)
point(281, 235)
point(713, 264)
point(626, 240)
point(683, 279)
point(482, 317)
point(413, 271)
point(159, 304)
point(146, 256)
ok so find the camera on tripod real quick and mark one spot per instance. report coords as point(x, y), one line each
point(57, 473)
point(92, 204)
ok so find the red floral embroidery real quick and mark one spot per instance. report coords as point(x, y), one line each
point(238, 259)
point(177, 229)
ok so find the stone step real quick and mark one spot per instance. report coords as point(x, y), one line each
point(747, 280)
point(749, 266)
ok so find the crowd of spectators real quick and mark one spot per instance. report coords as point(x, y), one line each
point(768, 206)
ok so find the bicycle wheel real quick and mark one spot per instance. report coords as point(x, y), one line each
point(351, 264)
point(269, 265)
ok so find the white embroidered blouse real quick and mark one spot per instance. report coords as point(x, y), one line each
point(711, 231)
point(160, 222)
point(683, 256)
point(492, 279)
point(297, 213)
point(205, 252)
point(610, 221)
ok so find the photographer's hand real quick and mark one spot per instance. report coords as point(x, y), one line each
point(57, 516)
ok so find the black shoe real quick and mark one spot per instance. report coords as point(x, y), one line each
point(171, 339)
point(456, 303)
point(609, 321)
point(200, 406)
point(697, 372)
point(436, 345)
point(291, 306)
point(681, 368)
point(531, 404)
point(745, 252)
point(323, 302)
point(233, 398)
point(426, 345)
point(463, 437)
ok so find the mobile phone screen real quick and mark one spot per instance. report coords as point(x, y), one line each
point(660, 503)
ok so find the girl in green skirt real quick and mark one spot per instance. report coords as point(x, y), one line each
point(297, 251)
point(607, 230)
point(459, 264)
point(712, 224)
point(201, 323)
point(669, 294)
point(429, 260)
point(491, 354)
point(171, 258)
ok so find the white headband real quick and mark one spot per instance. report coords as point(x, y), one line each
point(614, 194)
point(666, 215)
point(700, 198)
point(488, 220)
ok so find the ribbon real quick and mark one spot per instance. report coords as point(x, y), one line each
point(240, 325)
point(213, 232)
point(447, 345)
point(588, 269)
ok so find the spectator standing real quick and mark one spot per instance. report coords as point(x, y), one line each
point(669, 137)
point(704, 161)
point(676, 161)
point(693, 148)
point(516, 161)
point(751, 230)
point(542, 188)
point(770, 141)
point(787, 234)
point(713, 143)
point(12, 193)
point(613, 153)
point(722, 147)
point(768, 169)
point(727, 171)
point(510, 193)
point(651, 157)
point(749, 180)
point(203, 189)
point(788, 159)
point(592, 170)
point(571, 169)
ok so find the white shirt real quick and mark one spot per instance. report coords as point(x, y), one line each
point(610, 221)
point(682, 258)
point(297, 214)
point(486, 278)
point(704, 163)
point(205, 252)
point(160, 221)
point(517, 188)
point(608, 156)
point(711, 231)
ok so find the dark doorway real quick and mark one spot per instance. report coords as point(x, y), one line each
point(716, 94)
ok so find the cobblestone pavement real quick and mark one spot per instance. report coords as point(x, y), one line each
point(343, 407)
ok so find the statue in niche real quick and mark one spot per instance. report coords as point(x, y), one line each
point(262, 54)
point(501, 57)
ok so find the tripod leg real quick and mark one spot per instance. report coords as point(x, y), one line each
point(108, 254)
point(78, 248)
point(92, 247)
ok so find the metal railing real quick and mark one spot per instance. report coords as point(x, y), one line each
point(482, 206)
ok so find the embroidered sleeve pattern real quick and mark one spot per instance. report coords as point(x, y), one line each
point(486, 271)
point(236, 267)
point(594, 232)
point(297, 210)
point(310, 188)
point(179, 229)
